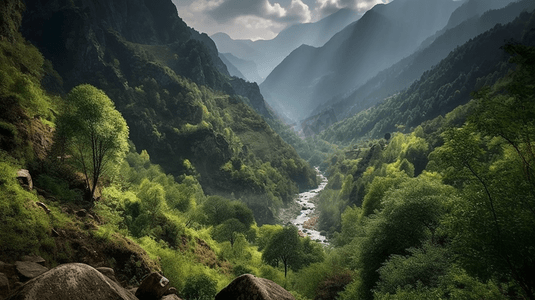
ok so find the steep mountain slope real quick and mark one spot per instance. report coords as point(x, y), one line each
point(403, 73)
point(384, 35)
point(179, 107)
point(247, 68)
point(267, 54)
point(479, 62)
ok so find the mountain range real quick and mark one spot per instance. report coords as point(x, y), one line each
point(471, 19)
point(311, 76)
point(267, 54)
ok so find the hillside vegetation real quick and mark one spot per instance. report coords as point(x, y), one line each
point(146, 156)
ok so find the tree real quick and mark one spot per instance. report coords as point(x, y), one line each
point(283, 247)
point(93, 132)
point(411, 216)
point(229, 231)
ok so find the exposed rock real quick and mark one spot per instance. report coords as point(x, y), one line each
point(108, 272)
point(4, 286)
point(249, 287)
point(44, 207)
point(72, 281)
point(25, 178)
point(153, 287)
point(170, 291)
point(29, 270)
point(34, 258)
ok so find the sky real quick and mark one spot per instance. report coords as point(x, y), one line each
point(260, 19)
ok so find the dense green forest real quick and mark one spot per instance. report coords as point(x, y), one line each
point(440, 207)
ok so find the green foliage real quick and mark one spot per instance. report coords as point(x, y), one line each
point(423, 267)
point(284, 247)
point(94, 133)
point(439, 90)
point(25, 227)
point(411, 216)
point(200, 287)
point(491, 163)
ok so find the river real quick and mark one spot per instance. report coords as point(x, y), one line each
point(307, 219)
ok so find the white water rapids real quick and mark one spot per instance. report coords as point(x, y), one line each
point(305, 221)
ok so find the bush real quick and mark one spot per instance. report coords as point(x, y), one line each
point(200, 287)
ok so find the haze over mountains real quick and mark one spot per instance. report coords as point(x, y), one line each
point(267, 54)
point(472, 18)
point(313, 76)
point(385, 34)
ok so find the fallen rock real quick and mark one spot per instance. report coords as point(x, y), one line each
point(34, 258)
point(249, 287)
point(72, 281)
point(29, 269)
point(153, 287)
point(171, 290)
point(25, 179)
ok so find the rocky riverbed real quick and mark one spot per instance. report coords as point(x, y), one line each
point(302, 212)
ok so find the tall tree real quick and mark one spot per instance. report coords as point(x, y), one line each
point(93, 132)
point(283, 247)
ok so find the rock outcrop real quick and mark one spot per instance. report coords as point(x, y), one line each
point(249, 287)
point(25, 178)
point(29, 269)
point(72, 281)
point(153, 287)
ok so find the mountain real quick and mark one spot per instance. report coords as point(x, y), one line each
point(176, 95)
point(479, 62)
point(310, 76)
point(247, 68)
point(267, 54)
point(233, 71)
point(394, 79)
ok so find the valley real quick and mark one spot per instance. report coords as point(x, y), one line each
point(374, 152)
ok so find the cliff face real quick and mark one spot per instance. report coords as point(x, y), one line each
point(81, 39)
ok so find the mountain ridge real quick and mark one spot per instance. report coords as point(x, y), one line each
point(267, 54)
point(375, 42)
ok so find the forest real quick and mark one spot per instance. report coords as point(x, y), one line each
point(187, 179)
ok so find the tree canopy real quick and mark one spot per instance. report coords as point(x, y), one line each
point(93, 132)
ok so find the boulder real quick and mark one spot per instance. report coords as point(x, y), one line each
point(249, 287)
point(25, 179)
point(72, 281)
point(108, 272)
point(171, 290)
point(34, 258)
point(153, 287)
point(29, 269)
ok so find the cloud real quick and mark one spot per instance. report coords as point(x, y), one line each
point(230, 10)
point(254, 19)
point(327, 7)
